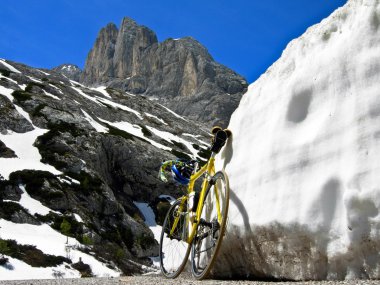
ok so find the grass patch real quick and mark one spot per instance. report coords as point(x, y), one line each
point(8, 209)
point(83, 268)
point(145, 241)
point(117, 132)
point(64, 127)
point(30, 86)
point(204, 153)
point(5, 72)
point(161, 208)
point(179, 145)
point(145, 131)
point(55, 129)
point(21, 96)
point(181, 155)
point(30, 254)
point(66, 224)
point(50, 158)
point(120, 235)
point(37, 111)
point(34, 180)
point(87, 181)
point(195, 146)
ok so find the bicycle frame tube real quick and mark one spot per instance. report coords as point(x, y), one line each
point(175, 222)
point(209, 169)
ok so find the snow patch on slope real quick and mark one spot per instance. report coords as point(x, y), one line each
point(8, 66)
point(98, 127)
point(28, 156)
point(136, 131)
point(19, 270)
point(32, 205)
point(51, 242)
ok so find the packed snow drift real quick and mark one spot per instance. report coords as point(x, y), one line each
point(304, 161)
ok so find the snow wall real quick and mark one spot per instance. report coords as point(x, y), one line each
point(304, 161)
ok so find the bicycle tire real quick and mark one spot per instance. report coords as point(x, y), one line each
point(174, 251)
point(208, 241)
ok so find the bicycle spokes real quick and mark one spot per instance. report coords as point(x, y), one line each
point(211, 226)
point(174, 249)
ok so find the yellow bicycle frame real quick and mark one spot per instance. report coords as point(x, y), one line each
point(209, 170)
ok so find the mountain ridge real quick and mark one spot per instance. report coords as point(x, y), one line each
point(179, 73)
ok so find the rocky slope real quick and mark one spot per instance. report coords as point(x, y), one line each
point(100, 150)
point(179, 73)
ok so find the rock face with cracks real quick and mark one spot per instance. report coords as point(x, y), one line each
point(179, 73)
point(304, 159)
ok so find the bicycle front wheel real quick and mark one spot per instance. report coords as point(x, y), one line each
point(174, 250)
point(211, 227)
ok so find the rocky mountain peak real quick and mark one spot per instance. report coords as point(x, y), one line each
point(179, 73)
point(71, 71)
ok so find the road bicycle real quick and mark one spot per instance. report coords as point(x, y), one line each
point(196, 222)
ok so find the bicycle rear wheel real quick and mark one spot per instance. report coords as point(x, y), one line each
point(174, 250)
point(211, 227)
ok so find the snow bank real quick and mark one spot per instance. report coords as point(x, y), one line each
point(304, 161)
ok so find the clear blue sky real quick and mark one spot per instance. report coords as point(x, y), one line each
point(245, 35)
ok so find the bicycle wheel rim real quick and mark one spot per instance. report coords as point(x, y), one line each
point(174, 252)
point(207, 242)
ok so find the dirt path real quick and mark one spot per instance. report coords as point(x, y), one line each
point(182, 280)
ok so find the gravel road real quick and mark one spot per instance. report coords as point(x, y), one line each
point(182, 280)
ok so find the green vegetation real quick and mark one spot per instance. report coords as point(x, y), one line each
point(65, 227)
point(87, 182)
point(83, 268)
point(34, 180)
point(161, 209)
point(66, 224)
point(145, 131)
point(44, 79)
point(64, 127)
point(30, 85)
point(195, 146)
point(117, 132)
point(180, 154)
point(37, 110)
point(145, 241)
point(204, 153)
point(86, 240)
point(5, 72)
point(179, 145)
point(120, 235)
point(30, 254)
point(21, 96)
point(8, 209)
point(50, 149)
